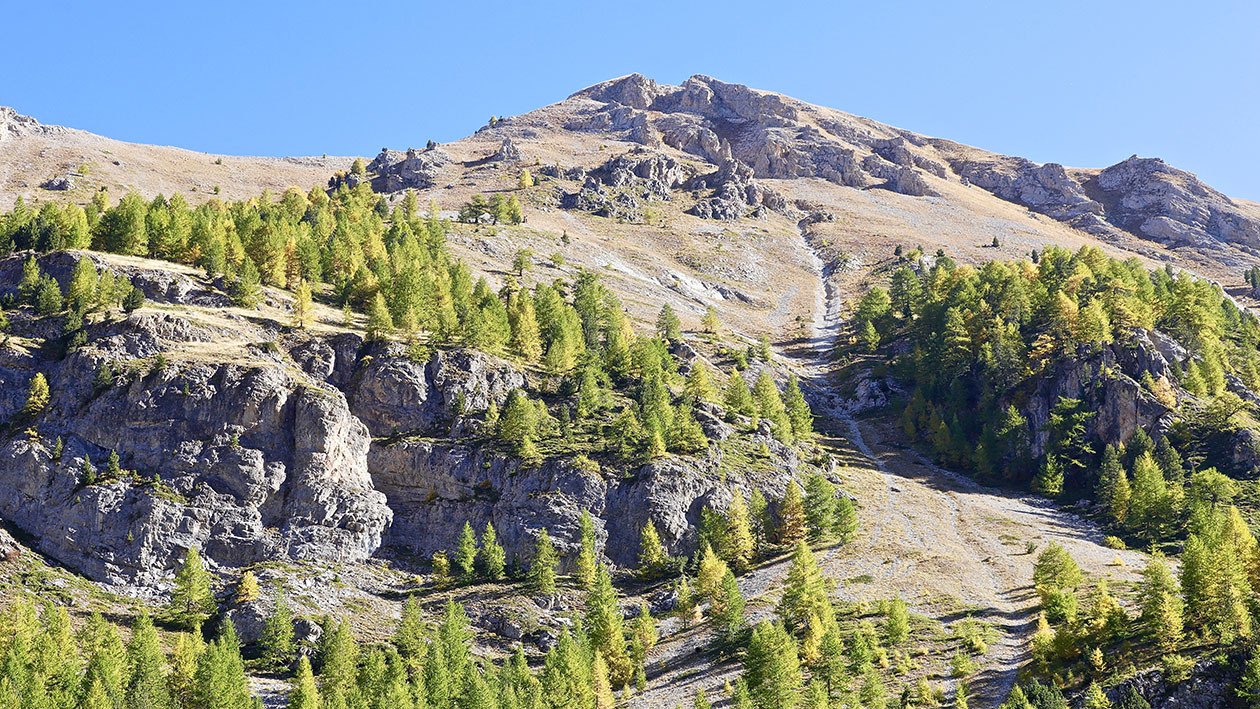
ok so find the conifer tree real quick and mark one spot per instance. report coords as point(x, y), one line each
point(304, 694)
point(338, 658)
point(820, 506)
point(466, 553)
point(277, 643)
point(897, 625)
point(709, 575)
point(772, 668)
point(709, 323)
point(191, 601)
point(245, 289)
point(220, 681)
point(738, 399)
point(247, 588)
point(804, 590)
point(651, 553)
point(542, 571)
point(727, 610)
point(37, 397)
point(668, 326)
point(1161, 605)
point(1113, 485)
point(798, 411)
point(740, 543)
point(845, 520)
point(491, 559)
point(146, 683)
point(303, 309)
point(586, 561)
point(792, 523)
point(698, 386)
point(605, 629)
point(380, 322)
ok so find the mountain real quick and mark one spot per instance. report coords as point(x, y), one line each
point(318, 395)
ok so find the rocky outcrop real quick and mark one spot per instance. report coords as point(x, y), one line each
point(414, 169)
point(10, 550)
point(392, 393)
point(734, 194)
point(14, 125)
point(507, 152)
point(1106, 379)
point(623, 186)
point(244, 461)
point(1156, 201)
point(435, 486)
point(1210, 684)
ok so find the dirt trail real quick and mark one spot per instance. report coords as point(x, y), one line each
point(953, 549)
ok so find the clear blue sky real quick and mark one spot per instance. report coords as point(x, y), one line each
point(1084, 83)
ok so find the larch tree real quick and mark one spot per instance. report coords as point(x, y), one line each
point(192, 604)
point(542, 570)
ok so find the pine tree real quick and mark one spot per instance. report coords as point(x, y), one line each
point(897, 625)
point(525, 181)
point(37, 397)
point(542, 571)
point(191, 601)
point(741, 546)
point(668, 326)
point(304, 694)
point(820, 506)
point(303, 309)
point(491, 559)
point(586, 561)
point(146, 684)
point(792, 523)
point(804, 590)
point(466, 553)
point(380, 322)
point(651, 554)
point(685, 607)
point(277, 642)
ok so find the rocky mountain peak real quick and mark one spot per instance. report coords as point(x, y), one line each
point(16, 125)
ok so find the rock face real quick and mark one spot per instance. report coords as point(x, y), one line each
point(413, 169)
point(434, 487)
point(623, 186)
point(1154, 200)
point(15, 125)
point(1106, 380)
point(735, 194)
point(316, 448)
point(774, 136)
point(1210, 685)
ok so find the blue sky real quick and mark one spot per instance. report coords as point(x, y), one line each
point(1080, 83)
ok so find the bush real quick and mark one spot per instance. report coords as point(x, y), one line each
point(1112, 542)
